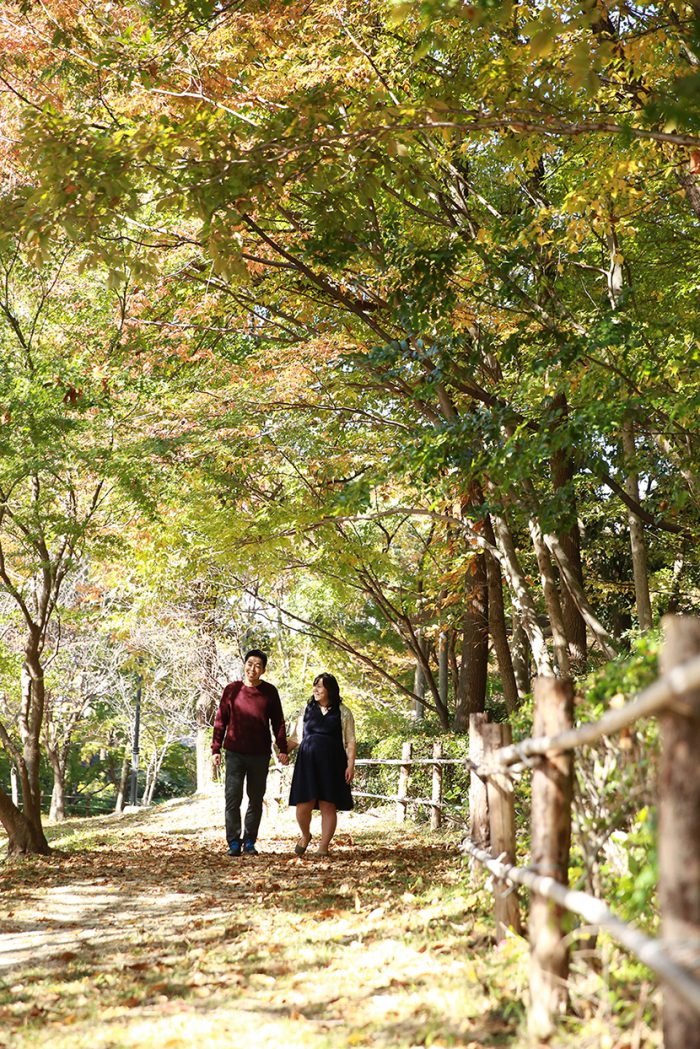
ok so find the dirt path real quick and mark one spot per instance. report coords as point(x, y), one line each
point(142, 931)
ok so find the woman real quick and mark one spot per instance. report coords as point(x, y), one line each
point(325, 765)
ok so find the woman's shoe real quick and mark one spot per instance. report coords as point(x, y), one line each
point(323, 852)
point(300, 849)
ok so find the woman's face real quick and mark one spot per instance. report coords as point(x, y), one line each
point(321, 693)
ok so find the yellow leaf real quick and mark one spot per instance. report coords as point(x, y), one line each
point(542, 42)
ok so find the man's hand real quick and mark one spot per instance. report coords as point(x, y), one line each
point(283, 759)
point(216, 761)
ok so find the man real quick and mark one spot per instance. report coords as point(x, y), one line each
point(242, 727)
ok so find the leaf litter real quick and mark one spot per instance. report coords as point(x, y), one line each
point(140, 930)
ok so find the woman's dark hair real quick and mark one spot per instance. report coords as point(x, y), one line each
point(262, 656)
point(332, 688)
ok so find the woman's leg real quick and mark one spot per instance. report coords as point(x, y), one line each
point(329, 821)
point(304, 810)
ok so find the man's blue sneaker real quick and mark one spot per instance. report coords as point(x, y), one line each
point(249, 848)
point(234, 847)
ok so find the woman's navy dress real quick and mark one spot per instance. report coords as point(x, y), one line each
point(319, 770)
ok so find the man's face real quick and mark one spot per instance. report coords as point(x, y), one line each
point(253, 670)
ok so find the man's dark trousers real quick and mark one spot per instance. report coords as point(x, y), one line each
point(251, 768)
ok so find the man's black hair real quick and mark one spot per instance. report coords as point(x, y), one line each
point(258, 654)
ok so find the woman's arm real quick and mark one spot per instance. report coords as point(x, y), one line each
point(350, 743)
point(350, 770)
point(296, 731)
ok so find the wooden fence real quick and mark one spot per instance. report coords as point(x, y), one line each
point(495, 763)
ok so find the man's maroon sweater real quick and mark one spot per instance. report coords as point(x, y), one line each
point(244, 717)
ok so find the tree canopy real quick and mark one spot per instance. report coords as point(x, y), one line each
point(402, 302)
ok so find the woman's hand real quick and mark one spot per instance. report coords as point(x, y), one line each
point(349, 774)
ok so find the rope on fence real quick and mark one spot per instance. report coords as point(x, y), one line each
point(674, 685)
point(595, 912)
point(414, 761)
point(396, 797)
point(676, 697)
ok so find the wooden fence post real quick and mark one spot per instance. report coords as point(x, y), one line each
point(478, 799)
point(679, 830)
point(501, 805)
point(436, 810)
point(552, 782)
point(404, 776)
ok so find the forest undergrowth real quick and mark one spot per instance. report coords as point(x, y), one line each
point(140, 930)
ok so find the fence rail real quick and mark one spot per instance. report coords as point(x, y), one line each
point(495, 762)
point(90, 801)
point(673, 686)
point(595, 912)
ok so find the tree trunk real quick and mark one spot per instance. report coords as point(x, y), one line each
point(146, 787)
point(570, 539)
point(691, 186)
point(567, 573)
point(205, 713)
point(419, 681)
point(551, 598)
point(637, 541)
point(32, 690)
point(522, 598)
point(552, 783)
point(412, 637)
point(123, 780)
point(205, 769)
point(24, 836)
point(471, 696)
point(443, 666)
point(57, 812)
point(679, 828)
point(674, 592)
point(151, 788)
point(499, 634)
point(154, 772)
point(520, 654)
point(208, 697)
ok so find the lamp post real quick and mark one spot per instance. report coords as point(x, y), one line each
point(135, 749)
